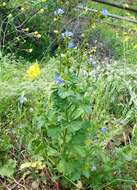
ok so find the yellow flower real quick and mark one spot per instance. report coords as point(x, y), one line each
point(4, 4)
point(22, 9)
point(79, 185)
point(55, 19)
point(41, 11)
point(125, 5)
point(29, 50)
point(56, 31)
point(26, 29)
point(37, 165)
point(35, 33)
point(33, 71)
point(38, 36)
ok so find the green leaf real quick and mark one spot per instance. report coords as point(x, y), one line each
point(7, 170)
point(52, 152)
point(65, 167)
point(77, 125)
point(53, 132)
point(79, 150)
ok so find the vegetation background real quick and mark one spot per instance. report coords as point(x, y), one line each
point(68, 95)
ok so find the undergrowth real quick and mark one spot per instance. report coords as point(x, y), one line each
point(72, 127)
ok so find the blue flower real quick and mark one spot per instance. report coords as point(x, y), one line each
point(105, 12)
point(94, 63)
point(67, 34)
point(71, 44)
point(104, 130)
point(59, 11)
point(58, 79)
point(91, 59)
point(94, 168)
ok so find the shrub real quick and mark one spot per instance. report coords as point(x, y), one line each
point(31, 28)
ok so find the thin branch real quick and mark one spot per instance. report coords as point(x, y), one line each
point(109, 15)
point(116, 5)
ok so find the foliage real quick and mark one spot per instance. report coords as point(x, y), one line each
point(67, 117)
point(73, 126)
point(31, 27)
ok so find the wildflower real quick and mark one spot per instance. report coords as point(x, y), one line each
point(90, 59)
point(29, 50)
point(94, 168)
point(59, 12)
point(10, 15)
point(71, 44)
point(56, 31)
point(38, 36)
point(26, 29)
point(105, 12)
point(125, 5)
point(55, 19)
point(104, 130)
point(93, 50)
point(36, 164)
point(22, 99)
point(94, 64)
point(41, 11)
point(58, 79)
point(67, 34)
point(4, 4)
point(33, 71)
point(79, 185)
point(35, 33)
point(22, 9)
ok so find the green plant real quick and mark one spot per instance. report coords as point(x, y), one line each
point(77, 129)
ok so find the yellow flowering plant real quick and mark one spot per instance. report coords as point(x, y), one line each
point(33, 71)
